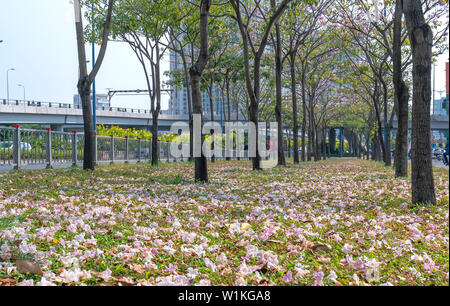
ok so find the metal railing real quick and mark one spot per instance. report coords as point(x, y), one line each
point(6, 146)
point(73, 106)
point(20, 147)
point(36, 103)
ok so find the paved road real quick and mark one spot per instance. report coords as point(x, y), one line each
point(436, 163)
point(33, 167)
point(440, 164)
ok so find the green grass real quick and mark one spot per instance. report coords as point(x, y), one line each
point(133, 220)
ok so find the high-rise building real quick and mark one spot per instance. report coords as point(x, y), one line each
point(178, 103)
point(440, 106)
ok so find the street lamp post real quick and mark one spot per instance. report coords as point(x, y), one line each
point(7, 82)
point(23, 87)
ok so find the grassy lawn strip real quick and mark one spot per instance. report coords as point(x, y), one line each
point(334, 222)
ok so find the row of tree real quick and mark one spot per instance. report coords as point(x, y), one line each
point(310, 65)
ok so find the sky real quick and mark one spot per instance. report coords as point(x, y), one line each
point(40, 44)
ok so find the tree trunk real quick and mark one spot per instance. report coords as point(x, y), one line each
point(227, 84)
point(387, 130)
point(421, 38)
point(401, 143)
point(85, 80)
point(376, 103)
point(332, 140)
point(317, 150)
point(84, 90)
point(368, 145)
point(253, 113)
point(294, 108)
point(237, 132)
point(324, 145)
point(401, 98)
point(377, 152)
point(157, 109)
point(310, 141)
point(201, 170)
point(311, 135)
point(303, 115)
point(278, 77)
point(155, 151)
point(88, 124)
point(359, 148)
point(211, 106)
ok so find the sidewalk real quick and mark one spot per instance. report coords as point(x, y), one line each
point(5, 168)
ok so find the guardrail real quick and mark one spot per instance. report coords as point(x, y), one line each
point(72, 106)
point(20, 147)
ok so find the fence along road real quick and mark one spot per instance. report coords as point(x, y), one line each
point(36, 149)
